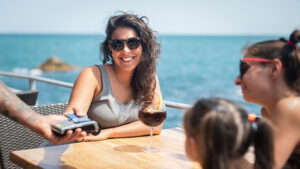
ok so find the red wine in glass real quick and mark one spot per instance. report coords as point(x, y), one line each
point(152, 115)
point(152, 119)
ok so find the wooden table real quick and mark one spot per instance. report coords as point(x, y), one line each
point(112, 153)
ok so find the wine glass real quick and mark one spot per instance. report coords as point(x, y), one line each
point(152, 115)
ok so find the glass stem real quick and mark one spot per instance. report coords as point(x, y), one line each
point(151, 134)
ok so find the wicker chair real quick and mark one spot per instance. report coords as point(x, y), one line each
point(29, 97)
point(14, 136)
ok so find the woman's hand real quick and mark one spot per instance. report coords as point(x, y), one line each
point(103, 135)
point(76, 110)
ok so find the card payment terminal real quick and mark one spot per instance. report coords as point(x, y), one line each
point(74, 122)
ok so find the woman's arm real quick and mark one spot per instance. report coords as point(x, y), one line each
point(86, 87)
point(286, 120)
point(133, 129)
point(129, 130)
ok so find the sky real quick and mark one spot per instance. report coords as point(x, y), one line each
point(174, 17)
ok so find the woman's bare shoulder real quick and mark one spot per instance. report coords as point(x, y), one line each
point(90, 75)
point(289, 109)
point(91, 69)
point(90, 72)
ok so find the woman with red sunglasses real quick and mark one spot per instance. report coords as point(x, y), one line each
point(270, 76)
point(110, 93)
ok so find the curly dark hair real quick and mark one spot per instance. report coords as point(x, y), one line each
point(224, 129)
point(284, 50)
point(143, 82)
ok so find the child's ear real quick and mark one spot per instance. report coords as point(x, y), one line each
point(277, 68)
point(193, 148)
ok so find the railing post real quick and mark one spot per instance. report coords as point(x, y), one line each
point(32, 84)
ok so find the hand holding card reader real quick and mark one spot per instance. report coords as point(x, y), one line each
point(74, 122)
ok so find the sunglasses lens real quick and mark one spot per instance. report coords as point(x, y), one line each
point(243, 68)
point(133, 43)
point(117, 44)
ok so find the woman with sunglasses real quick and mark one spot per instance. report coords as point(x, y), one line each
point(110, 93)
point(270, 76)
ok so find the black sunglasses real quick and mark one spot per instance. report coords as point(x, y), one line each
point(118, 44)
point(243, 68)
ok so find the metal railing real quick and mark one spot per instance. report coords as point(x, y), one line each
point(32, 86)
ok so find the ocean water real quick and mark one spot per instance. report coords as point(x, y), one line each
point(189, 68)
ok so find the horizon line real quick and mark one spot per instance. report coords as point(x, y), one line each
point(160, 34)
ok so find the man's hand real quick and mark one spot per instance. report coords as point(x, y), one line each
point(45, 130)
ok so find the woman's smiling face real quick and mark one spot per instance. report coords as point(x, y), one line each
point(126, 58)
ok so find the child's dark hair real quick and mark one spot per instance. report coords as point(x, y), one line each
point(227, 133)
point(284, 50)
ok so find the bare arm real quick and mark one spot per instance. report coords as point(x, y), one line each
point(286, 120)
point(18, 111)
point(87, 85)
point(129, 130)
point(133, 129)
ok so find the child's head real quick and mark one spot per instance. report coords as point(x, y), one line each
point(218, 131)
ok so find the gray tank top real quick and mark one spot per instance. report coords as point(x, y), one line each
point(107, 111)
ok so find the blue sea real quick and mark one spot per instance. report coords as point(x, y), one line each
point(189, 68)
